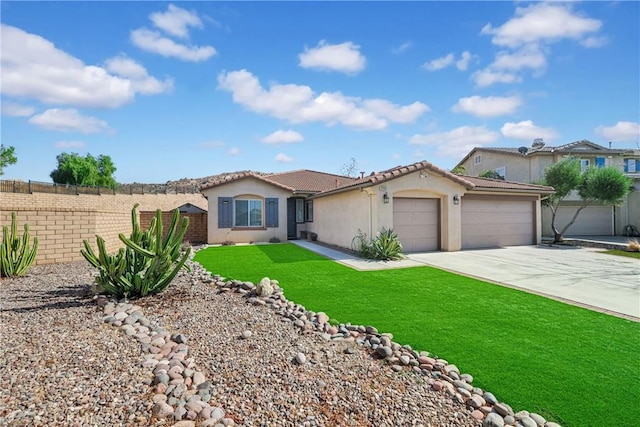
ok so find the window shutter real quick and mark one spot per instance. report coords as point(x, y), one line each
point(225, 212)
point(600, 162)
point(626, 165)
point(271, 212)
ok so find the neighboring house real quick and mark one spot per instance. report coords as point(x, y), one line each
point(527, 164)
point(428, 207)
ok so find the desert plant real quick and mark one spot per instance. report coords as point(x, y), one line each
point(385, 246)
point(148, 262)
point(274, 239)
point(15, 255)
point(633, 245)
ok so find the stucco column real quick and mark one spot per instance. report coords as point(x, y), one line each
point(451, 224)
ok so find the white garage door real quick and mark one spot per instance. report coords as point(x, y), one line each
point(592, 221)
point(417, 223)
point(493, 222)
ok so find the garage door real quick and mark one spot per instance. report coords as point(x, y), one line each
point(494, 222)
point(417, 223)
point(592, 221)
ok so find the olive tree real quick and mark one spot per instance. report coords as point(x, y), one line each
point(603, 186)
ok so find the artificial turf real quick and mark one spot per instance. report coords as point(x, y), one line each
point(627, 254)
point(574, 366)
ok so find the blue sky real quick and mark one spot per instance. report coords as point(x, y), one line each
point(190, 89)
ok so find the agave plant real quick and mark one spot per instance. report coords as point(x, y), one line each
point(385, 246)
point(15, 255)
point(148, 262)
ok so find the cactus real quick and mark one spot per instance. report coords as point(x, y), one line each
point(147, 264)
point(15, 255)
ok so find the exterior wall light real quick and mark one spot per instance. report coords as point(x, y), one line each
point(456, 199)
point(385, 198)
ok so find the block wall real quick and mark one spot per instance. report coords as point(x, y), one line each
point(196, 233)
point(61, 222)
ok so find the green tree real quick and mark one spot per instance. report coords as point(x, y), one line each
point(490, 173)
point(459, 170)
point(604, 186)
point(74, 169)
point(7, 157)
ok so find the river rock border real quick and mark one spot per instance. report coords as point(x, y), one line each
point(181, 392)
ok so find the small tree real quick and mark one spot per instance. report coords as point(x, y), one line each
point(604, 186)
point(490, 173)
point(76, 170)
point(7, 157)
point(459, 170)
point(349, 169)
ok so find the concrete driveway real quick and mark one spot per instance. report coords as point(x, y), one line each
point(582, 276)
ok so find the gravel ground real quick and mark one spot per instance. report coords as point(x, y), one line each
point(60, 365)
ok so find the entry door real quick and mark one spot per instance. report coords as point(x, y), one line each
point(292, 228)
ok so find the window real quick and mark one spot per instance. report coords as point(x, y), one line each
point(308, 211)
point(248, 213)
point(584, 164)
point(502, 172)
point(631, 165)
point(477, 159)
point(299, 211)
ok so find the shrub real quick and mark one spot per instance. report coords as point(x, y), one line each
point(147, 264)
point(274, 240)
point(385, 246)
point(633, 245)
point(15, 255)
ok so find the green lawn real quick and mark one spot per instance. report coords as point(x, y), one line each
point(571, 365)
point(623, 253)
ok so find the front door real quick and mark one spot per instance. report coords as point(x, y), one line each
point(292, 229)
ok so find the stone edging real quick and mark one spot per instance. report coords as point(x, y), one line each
point(182, 392)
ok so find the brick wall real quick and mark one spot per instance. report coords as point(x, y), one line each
point(61, 222)
point(196, 233)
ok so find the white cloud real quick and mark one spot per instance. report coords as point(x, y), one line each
point(488, 77)
point(594, 41)
point(463, 63)
point(344, 57)
point(283, 137)
point(491, 106)
point(620, 132)
point(141, 81)
point(528, 131)
point(439, 63)
point(529, 56)
point(175, 21)
point(545, 22)
point(234, 151)
point(456, 142)
point(298, 104)
point(283, 158)
point(153, 41)
point(12, 109)
point(402, 48)
point(69, 120)
point(32, 67)
point(70, 144)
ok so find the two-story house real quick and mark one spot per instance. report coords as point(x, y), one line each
point(527, 164)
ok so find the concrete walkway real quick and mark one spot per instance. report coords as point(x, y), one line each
point(580, 276)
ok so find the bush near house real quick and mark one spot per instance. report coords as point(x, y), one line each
point(385, 246)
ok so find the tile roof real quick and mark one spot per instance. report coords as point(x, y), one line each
point(379, 177)
point(499, 184)
point(322, 184)
point(298, 181)
point(309, 181)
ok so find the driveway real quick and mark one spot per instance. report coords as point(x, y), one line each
point(582, 276)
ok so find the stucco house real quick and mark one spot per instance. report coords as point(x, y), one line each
point(428, 207)
point(527, 164)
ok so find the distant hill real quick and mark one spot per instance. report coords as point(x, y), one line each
point(194, 184)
